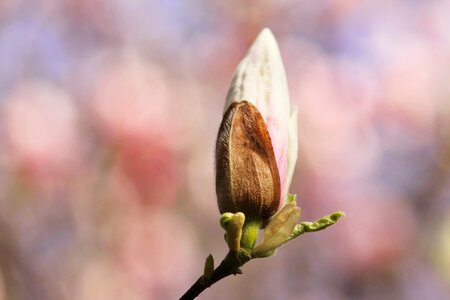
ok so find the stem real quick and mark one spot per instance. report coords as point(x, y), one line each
point(229, 266)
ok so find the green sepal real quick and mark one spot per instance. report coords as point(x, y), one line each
point(225, 218)
point(317, 225)
point(233, 223)
point(209, 267)
point(250, 234)
point(291, 198)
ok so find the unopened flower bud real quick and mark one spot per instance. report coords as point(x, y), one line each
point(247, 178)
point(256, 148)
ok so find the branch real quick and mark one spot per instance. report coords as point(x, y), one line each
point(241, 237)
point(229, 266)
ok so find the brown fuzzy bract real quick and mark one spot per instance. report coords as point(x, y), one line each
point(247, 177)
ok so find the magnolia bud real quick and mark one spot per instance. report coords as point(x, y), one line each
point(247, 178)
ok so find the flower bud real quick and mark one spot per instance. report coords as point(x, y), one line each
point(247, 178)
point(256, 147)
point(260, 79)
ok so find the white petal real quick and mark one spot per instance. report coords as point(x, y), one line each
point(260, 78)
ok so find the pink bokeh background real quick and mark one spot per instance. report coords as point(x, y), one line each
point(109, 112)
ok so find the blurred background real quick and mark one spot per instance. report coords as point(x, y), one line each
point(109, 112)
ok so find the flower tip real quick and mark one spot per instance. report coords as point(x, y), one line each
point(265, 34)
point(265, 39)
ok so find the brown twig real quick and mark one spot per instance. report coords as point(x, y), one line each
point(229, 266)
